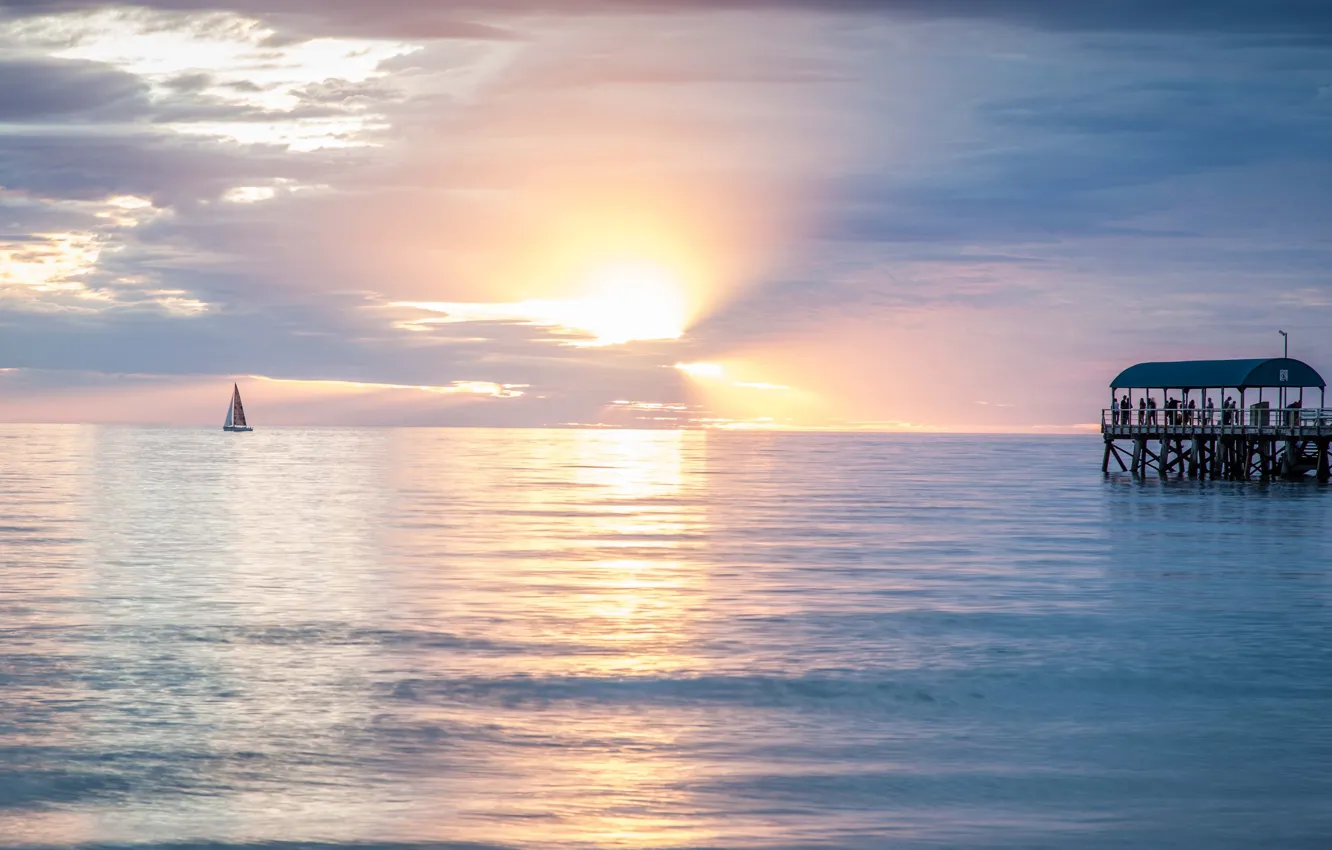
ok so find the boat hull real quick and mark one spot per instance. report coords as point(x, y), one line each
point(235, 429)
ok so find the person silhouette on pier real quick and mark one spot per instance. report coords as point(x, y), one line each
point(1142, 411)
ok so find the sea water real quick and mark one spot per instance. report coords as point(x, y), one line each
point(574, 639)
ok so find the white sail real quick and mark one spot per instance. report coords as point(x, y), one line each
point(236, 413)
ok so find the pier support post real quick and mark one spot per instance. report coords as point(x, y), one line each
point(1323, 449)
point(1139, 456)
point(1105, 459)
point(1195, 459)
point(1163, 459)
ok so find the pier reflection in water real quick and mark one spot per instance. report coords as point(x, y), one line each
point(651, 639)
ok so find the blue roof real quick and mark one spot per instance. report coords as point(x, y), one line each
point(1240, 374)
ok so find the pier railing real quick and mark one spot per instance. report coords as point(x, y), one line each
point(1256, 420)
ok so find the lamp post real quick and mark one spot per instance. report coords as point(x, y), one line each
point(1285, 353)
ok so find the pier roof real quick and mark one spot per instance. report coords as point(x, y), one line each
point(1200, 374)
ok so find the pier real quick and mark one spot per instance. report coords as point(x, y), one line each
point(1248, 421)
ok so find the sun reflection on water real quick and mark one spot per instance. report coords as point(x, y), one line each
point(588, 540)
point(597, 582)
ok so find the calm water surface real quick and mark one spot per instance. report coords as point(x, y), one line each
point(575, 639)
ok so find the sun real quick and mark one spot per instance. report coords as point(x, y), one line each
point(616, 304)
point(629, 302)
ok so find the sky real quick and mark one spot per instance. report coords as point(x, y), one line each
point(853, 214)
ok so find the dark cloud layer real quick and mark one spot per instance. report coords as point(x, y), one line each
point(145, 162)
point(46, 88)
point(1309, 18)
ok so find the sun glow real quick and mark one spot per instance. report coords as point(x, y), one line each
point(631, 302)
point(701, 370)
point(625, 303)
point(738, 394)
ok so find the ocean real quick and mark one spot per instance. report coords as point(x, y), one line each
point(639, 639)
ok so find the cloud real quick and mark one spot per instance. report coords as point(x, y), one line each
point(1190, 15)
point(224, 75)
point(459, 19)
point(46, 88)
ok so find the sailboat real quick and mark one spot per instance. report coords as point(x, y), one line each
point(235, 413)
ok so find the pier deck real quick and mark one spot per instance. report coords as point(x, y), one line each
point(1310, 424)
point(1234, 445)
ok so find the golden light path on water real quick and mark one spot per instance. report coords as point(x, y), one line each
point(589, 543)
